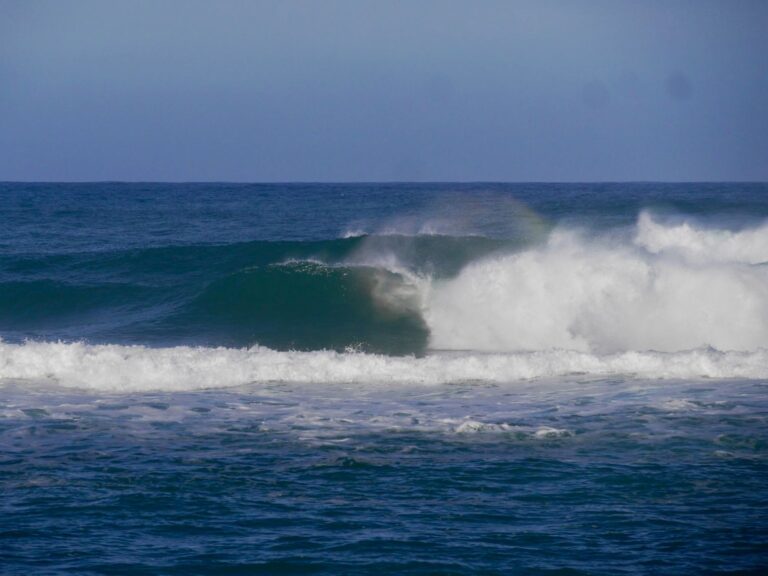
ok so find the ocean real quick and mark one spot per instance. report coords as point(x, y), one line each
point(543, 379)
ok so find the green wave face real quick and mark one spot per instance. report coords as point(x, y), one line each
point(306, 306)
point(334, 294)
point(48, 304)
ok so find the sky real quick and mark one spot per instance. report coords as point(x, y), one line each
point(364, 90)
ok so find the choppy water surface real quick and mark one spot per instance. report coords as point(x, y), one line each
point(432, 379)
point(599, 476)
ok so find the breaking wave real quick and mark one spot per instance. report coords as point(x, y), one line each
point(703, 244)
point(662, 299)
point(667, 288)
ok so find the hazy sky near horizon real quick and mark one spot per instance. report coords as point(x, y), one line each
point(345, 90)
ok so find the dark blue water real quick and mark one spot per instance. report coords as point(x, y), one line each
point(384, 378)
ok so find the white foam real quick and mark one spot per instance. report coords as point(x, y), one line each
point(474, 426)
point(549, 433)
point(703, 244)
point(114, 368)
point(609, 295)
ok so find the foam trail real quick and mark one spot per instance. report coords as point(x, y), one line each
point(114, 368)
point(607, 296)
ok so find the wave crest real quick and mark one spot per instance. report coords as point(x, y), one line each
point(702, 244)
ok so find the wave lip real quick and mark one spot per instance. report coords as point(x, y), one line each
point(118, 369)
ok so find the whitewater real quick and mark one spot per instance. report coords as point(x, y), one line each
point(669, 288)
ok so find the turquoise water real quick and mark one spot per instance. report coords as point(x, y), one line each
point(410, 379)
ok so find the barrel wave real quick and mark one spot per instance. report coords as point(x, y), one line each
point(660, 286)
point(358, 292)
point(308, 305)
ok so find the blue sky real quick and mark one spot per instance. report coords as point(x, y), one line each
point(383, 90)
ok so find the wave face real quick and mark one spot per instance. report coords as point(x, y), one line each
point(361, 292)
point(308, 305)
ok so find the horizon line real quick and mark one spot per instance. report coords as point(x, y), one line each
point(353, 182)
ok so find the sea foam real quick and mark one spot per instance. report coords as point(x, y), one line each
point(666, 288)
point(694, 242)
point(115, 368)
